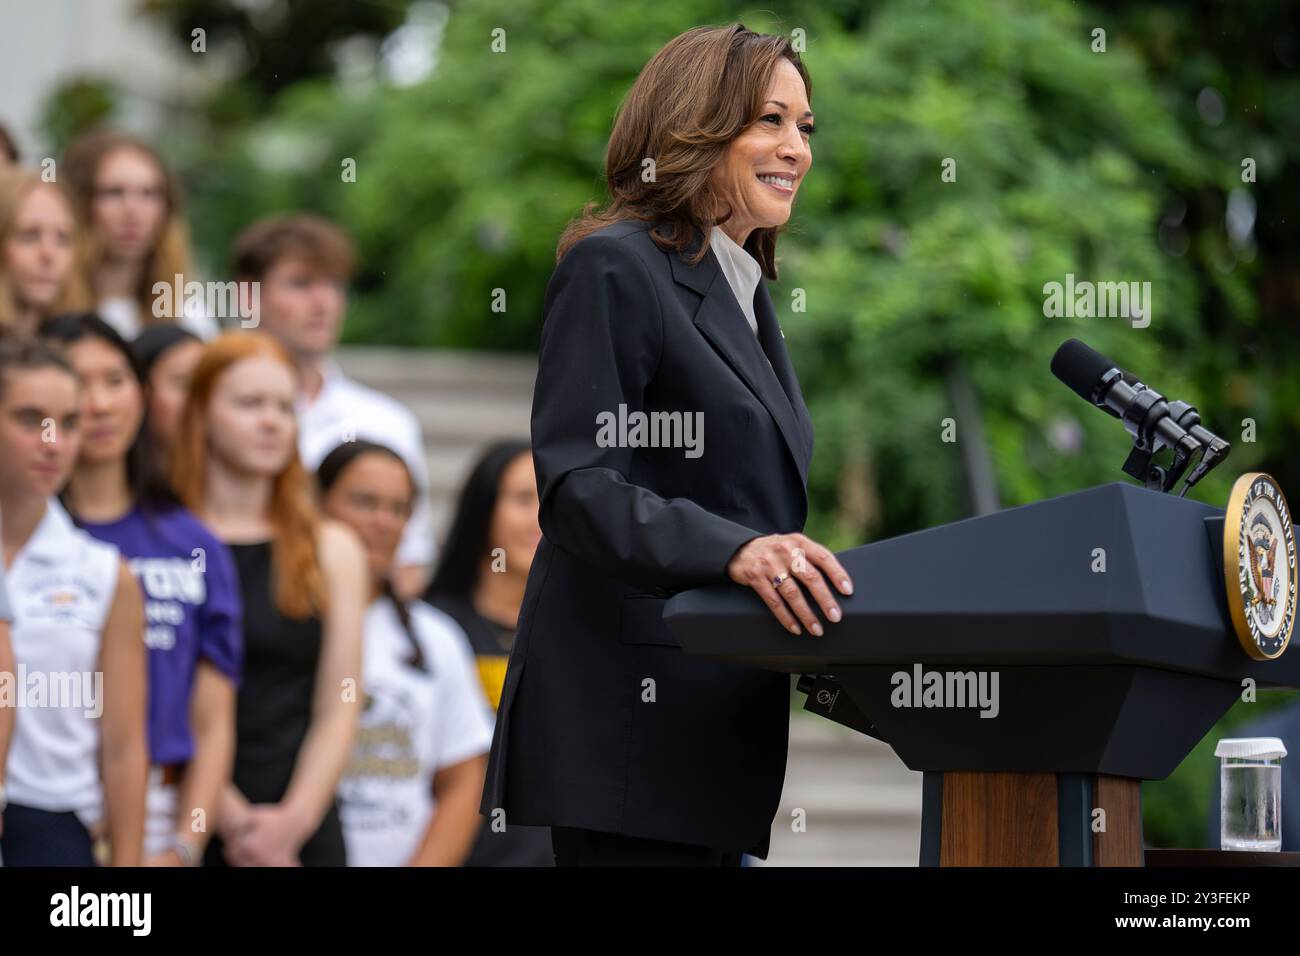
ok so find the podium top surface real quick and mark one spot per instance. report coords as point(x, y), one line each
point(1115, 574)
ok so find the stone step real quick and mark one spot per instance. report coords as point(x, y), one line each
point(463, 400)
point(419, 369)
point(837, 847)
point(862, 806)
point(466, 418)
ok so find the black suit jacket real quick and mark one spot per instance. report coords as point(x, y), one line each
point(604, 722)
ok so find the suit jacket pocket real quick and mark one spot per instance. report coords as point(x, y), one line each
point(643, 621)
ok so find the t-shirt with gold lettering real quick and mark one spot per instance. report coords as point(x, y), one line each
point(413, 722)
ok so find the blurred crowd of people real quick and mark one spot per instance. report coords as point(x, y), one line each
point(227, 636)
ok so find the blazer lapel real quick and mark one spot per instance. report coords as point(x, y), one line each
point(722, 322)
point(773, 342)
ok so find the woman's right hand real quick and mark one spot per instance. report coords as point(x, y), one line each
point(774, 566)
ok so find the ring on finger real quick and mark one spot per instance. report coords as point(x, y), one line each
point(779, 580)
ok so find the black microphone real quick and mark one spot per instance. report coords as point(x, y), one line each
point(1153, 422)
point(1088, 373)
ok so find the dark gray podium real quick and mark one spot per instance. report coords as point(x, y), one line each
point(1104, 678)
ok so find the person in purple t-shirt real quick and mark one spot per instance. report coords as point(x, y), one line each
point(193, 618)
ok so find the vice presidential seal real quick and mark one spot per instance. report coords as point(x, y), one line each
point(1259, 565)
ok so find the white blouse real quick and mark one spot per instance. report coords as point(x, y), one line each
point(741, 269)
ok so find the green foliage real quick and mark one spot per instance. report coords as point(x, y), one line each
point(1065, 159)
point(1097, 164)
point(75, 106)
point(276, 43)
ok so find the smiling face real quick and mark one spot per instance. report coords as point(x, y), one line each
point(129, 206)
point(373, 496)
point(112, 402)
point(251, 427)
point(38, 252)
point(39, 431)
point(764, 166)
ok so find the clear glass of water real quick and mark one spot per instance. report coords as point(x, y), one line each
point(1250, 793)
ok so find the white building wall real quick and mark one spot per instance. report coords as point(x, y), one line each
point(44, 43)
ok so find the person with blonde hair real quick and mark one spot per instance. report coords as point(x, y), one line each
point(303, 581)
point(39, 251)
point(136, 236)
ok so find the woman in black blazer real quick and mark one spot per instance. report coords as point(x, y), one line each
point(671, 445)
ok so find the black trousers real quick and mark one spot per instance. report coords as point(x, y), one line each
point(574, 847)
point(35, 837)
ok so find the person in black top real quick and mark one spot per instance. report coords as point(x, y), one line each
point(303, 577)
point(480, 583)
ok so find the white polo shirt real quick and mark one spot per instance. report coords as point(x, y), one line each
point(346, 408)
point(61, 583)
point(413, 724)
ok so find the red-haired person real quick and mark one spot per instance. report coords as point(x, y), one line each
point(303, 585)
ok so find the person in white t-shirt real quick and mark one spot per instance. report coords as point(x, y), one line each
point(78, 761)
point(410, 795)
point(301, 264)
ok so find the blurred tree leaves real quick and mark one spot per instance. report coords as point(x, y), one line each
point(77, 104)
point(1067, 161)
point(1111, 166)
point(273, 43)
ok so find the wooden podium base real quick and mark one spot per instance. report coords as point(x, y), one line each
point(1031, 819)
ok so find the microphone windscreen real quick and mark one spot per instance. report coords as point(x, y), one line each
point(1080, 367)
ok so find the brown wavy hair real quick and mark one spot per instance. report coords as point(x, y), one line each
point(171, 251)
point(299, 583)
point(15, 185)
point(694, 97)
